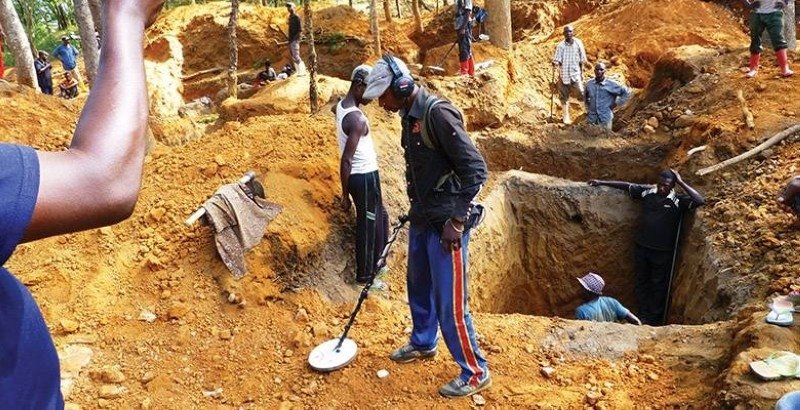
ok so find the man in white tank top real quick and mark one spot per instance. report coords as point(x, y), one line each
point(360, 180)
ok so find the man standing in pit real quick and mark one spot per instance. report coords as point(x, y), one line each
point(93, 183)
point(360, 180)
point(656, 239)
point(463, 26)
point(295, 29)
point(603, 95)
point(444, 173)
point(767, 14)
point(569, 59)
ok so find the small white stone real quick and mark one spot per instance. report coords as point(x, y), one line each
point(147, 316)
point(383, 373)
point(478, 399)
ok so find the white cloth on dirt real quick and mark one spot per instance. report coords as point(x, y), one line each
point(238, 222)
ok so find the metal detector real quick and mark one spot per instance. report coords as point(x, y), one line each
point(440, 68)
point(338, 353)
point(672, 268)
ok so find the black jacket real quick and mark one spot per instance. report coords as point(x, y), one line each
point(434, 196)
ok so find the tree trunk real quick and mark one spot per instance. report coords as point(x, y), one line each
point(498, 24)
point(97, 15)
point(312, 58)
point(397, 5)
point(26, 18)
point(91, 56)
point(234, 51)
point(18, 44)
point(373, 26)
point(387, 11)
point(417, 18)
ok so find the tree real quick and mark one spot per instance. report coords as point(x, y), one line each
point(234, 50)
point(417, 18)
point(17, 41)
point(498, 24)
point(373, 26)
point(91, 55)
point(312, 57)
point(97, 15)
point(387, 11)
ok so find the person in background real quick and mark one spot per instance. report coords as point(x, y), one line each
point(68, 55)
point(266, 76)
point(68, 87)
point(767, 14)
point(569, 59)
point(463, 26)
point(295, 29)
point(602, 96)
point(44, 73)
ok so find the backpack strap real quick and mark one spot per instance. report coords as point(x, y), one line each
point(428, 136)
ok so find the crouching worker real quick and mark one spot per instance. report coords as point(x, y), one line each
point(94, 183)
point(444, 173)
point(599, 308)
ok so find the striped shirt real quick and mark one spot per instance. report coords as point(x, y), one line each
point(570, 57)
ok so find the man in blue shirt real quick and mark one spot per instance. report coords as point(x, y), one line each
point(599, 308)
point(68, 55)
point(92, 184)
point(602, 95)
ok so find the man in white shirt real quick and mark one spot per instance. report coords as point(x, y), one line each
point(570, 58)
point(360, 179)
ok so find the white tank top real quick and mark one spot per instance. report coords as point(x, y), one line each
point(365, 160)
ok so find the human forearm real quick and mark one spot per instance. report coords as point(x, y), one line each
point(96, 181)
point(621, 185)
point(697, 198)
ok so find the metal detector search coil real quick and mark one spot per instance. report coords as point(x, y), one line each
point(338, 353)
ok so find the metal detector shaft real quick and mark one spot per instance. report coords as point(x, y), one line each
point(365, 291)
point(672, 268)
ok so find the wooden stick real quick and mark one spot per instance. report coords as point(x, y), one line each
point(204, 72)
point(695, 150)
point(748, 115)
point(764, 145)
point(202, 211)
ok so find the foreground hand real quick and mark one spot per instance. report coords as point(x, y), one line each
point(451, 238)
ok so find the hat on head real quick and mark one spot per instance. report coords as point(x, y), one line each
point(593, 283)
point(290, 5)
point(360, 73)
point(381, 77)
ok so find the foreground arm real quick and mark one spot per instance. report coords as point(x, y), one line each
point(96, 181)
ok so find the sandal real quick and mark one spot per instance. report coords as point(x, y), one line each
point(776, 366)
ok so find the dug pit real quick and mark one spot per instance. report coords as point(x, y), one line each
point(542, 232)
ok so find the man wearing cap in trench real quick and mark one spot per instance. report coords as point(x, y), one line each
point(295, 28)
point(444, 173)
point(599, 308)
point(68, 55)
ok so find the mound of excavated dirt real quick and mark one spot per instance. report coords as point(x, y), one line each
point(284, 97)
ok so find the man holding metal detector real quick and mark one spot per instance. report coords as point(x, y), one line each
point(444, 173)
point(657, 238)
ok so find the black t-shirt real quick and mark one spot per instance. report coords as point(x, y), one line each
point(658, 223)
point(294, 27)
